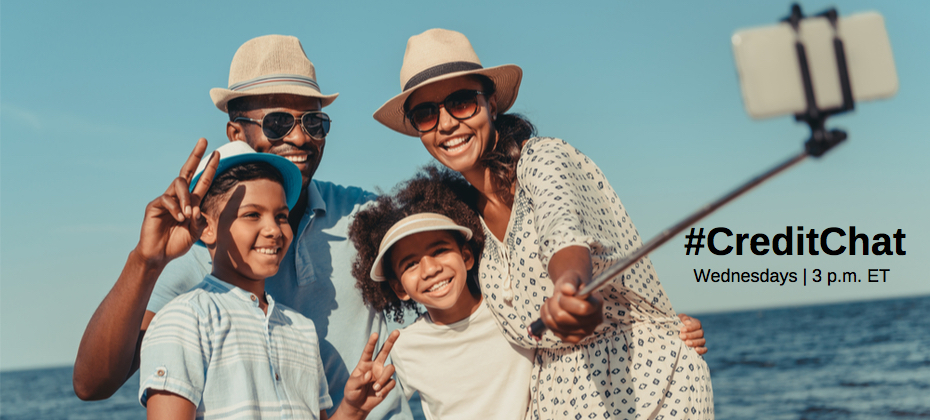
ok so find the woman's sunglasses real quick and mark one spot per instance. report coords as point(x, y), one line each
point(461, 105)
point(277, 125)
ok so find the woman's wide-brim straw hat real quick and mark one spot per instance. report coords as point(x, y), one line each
point(270, 64)
point(440, 54)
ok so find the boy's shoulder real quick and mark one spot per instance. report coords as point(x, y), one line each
point(422, 322)
point(477, 323)
point(215, 303)
point(211, 291)
point(412, 338)
point(198, 299)
point(421, 331)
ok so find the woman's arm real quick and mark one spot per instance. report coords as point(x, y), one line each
point(569, 193)
point(571, 317)
point(170, 406)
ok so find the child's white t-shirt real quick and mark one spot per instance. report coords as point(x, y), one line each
point(464, 370)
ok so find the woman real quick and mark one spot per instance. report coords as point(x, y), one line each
point(552, 222)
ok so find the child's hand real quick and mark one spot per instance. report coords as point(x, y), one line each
point(173, 222)
point(692, 333)
point(371, 380)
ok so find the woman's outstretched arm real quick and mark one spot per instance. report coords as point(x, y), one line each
point(571, 317)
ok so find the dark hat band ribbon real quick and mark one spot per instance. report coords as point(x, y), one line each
point(440, 70)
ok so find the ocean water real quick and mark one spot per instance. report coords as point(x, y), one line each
point(860, 360)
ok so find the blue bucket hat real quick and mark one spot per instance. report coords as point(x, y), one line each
point(239, 152)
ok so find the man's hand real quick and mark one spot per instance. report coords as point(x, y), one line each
point(570, 317)
point(173, 222)
point(109, 350)
point(371, 380)
point(692, 333)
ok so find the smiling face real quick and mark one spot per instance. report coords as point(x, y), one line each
point(459, 145)
point(306, 152)
point(432, 269)
point(249, 235)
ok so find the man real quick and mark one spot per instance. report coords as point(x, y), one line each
point(271, 81)
point(270, 78)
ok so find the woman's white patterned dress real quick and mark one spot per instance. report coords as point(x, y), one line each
point(634, 366)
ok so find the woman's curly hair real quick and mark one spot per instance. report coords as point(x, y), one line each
point(435, 190)
point(512, 130)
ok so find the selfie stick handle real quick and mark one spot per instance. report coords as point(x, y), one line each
point(820, 142)
point(538, 327)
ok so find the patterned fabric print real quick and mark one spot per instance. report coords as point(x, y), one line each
point(643, 373)
point(634, 365)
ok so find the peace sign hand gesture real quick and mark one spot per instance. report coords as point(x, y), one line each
point(371, 380)
point(173, 221)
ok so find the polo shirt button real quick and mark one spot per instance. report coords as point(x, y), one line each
point(277, 377)
point(160, 372)
point(254, 298)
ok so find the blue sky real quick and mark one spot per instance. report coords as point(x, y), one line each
point(100, 102)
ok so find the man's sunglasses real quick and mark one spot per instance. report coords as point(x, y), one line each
point(461, 105)
point(277, 125)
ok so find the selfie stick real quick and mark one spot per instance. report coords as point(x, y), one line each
point(819, 143)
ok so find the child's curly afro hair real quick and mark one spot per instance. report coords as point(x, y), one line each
point(435, 190)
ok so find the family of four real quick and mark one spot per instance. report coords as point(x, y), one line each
point(269, 285)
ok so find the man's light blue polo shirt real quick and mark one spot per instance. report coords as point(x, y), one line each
point(215, 347)
point(316, 280)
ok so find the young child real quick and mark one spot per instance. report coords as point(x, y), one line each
point(420, 246)
point(226, 349)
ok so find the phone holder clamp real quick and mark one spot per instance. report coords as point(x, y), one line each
point(821, 139)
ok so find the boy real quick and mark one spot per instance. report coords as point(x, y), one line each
point(455, 355)
point(225, 349)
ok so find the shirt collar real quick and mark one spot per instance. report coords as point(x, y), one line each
point(316, 203)
point(239, 293)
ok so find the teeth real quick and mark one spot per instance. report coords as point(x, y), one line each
point(268, 251)
point(438, 286)
point(456, 144)
point(296, 159)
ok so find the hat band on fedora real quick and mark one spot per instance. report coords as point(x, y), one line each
point(275, 79)
point(440, 70)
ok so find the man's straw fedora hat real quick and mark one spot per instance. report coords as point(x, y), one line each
point(440, 54)
point(270, 64)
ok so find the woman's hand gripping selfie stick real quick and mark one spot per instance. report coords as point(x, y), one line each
point(820, 141)
point(538, 327)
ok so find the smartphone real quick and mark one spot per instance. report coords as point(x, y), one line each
point(770, 76)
